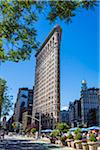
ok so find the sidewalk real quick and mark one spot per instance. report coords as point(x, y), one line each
point(43, 141)
point(17, 137)
point(47, 141)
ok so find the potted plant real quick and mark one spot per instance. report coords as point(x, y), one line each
point(73, 143)
point(78, 139)
point(69, 139)
point(85, 146)
point(63, 140)
point(62, 127)
point(84, 142)
point(53, 136)
point(92, 142)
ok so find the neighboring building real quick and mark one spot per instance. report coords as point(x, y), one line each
point(77, 111)
point(26, 121)
point(86, 111)
point(71, 111)
point(24, 103)
point(90, 105)
point(98, 111)
point(47, 80)
point(64, 116)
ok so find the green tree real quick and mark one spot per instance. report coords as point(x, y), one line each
point(17, 26)
point(65, 10)
point(2, 90)
point(5, 99)
point(70, 136)
point(92, 137)
point(17, 23)
point(77, 131)
point(62, 127)
point(55, 133)
point(33, 130)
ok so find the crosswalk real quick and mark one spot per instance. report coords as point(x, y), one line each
point(20, 145)
point(24, 143)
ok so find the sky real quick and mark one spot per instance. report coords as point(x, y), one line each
point(79, 57)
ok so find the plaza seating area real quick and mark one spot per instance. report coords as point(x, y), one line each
point(77, 138)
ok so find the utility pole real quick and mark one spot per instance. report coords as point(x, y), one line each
point(39, 120)
point(39, 124)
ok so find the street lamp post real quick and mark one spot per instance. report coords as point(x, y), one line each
point(39, 120)
point(39, 124)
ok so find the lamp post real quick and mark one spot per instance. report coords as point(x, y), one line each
point(39, 120)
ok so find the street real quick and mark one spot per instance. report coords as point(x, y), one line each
point(11, 143)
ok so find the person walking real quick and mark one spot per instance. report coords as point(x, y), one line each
point(2, 133)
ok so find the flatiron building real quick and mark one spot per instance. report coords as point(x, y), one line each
point(47, 80)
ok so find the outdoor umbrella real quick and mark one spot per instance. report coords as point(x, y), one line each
point(73, 129)
point(42, 131)
point(94, 128)
point(48, 130)
point(84, 129)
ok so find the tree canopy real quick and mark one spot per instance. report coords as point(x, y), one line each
point(62, 127)
point(17, 31)
point(18, 35)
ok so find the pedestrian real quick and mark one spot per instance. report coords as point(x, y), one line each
point(84, 137)
point(2, 133)
point(88, 135)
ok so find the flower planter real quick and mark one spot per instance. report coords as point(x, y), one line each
point(73, 144)
point(93, 145)
point(85, 146)
point(78, 144)
point(52, 141)
point(69, 142)
point(64, 143)
point(58, 142)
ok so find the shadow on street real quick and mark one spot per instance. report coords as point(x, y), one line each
point(26, 145)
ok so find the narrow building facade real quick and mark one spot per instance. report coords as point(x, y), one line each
point(47, 81)
point(23, 106)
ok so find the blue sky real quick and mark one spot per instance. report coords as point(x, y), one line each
point(79, 57)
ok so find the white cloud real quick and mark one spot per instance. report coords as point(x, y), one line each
point(64, 108)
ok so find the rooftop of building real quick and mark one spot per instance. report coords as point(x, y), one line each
point(84, 82)
point(64, 110)
point(76, 101)
point(57, 27)
point(93, 88)
point(25, 89)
